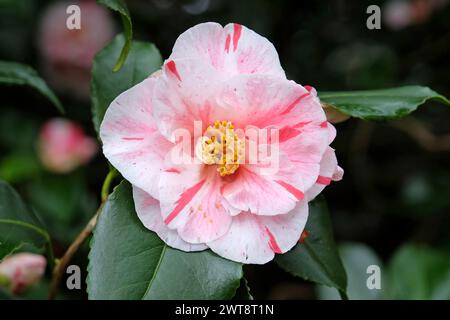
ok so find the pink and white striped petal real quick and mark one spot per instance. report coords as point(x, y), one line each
point(191, 202)
point(233, 49)
point(305, 151)
point(149, 212)
point(265, 101)
point(256, 239)
point(261, 195)
point(269, 187)
point(329, 171)
point(268, 103)
point(131, 139)
point(185, 93)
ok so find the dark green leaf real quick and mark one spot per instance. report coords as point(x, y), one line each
point(356, 258)
point(317, 258)
point(12, 73)
point(127, 261)
point(381, 104)
point(63, 202)
point(419, 273)
point(19, 226)
point(143, 60)
point(121, 7)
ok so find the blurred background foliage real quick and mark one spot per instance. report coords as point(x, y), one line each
point(392, 207)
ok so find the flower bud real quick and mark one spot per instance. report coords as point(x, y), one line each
point(63, 146)
point(67, 52)
point(20, 271)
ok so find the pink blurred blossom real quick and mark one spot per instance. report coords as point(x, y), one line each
point(399, 14)
point(67, 54)
point(20, 271)
point(63, 146)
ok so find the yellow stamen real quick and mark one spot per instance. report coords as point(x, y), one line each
point(221, 146)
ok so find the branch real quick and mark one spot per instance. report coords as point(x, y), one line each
point(73, 248)
point(425, 138)
point(76, 244)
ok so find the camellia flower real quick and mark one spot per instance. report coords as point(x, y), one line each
point(63, 146)
point(68, 53)
point(20, 271)
point(226, 193)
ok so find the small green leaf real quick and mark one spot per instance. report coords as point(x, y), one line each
point(12, 73)
point(121, 7)
point(384, 104)
point(419, 273)
point(19, 226)
point(143, 60)
point(317, 258)
point(127, 261)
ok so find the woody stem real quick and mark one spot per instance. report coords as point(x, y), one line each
point(79, 240)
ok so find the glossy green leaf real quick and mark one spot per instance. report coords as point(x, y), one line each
point(317, 258)
point(12, 73)
point(19, 226)
point(143, 60)
point(384, 104)
point(121, 7)
point(127, 261)
point(356, 258)
point(416, 272)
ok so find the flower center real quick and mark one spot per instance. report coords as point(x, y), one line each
point(221, 146)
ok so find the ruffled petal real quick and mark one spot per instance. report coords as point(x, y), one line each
point(329, 171)
point(191, 202)
point(231, 50)
point(256, 239)
point(149, 212)
point(267, 103)
point(185, 94)
point(131, 140)
point(265, 188)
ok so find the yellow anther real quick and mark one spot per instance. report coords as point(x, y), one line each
point(221, 146)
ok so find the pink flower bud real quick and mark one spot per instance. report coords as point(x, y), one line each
point(68, 53)
point(397, 14)
point(63, 146)
point(20, 271)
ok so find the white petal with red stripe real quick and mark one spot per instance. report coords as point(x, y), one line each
point(329, 171)
point(233, 49)
point(131, 139)
point(256, 239)
point(149, 212)
point(270, 187)
point(191, 203)
point(185, 93)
